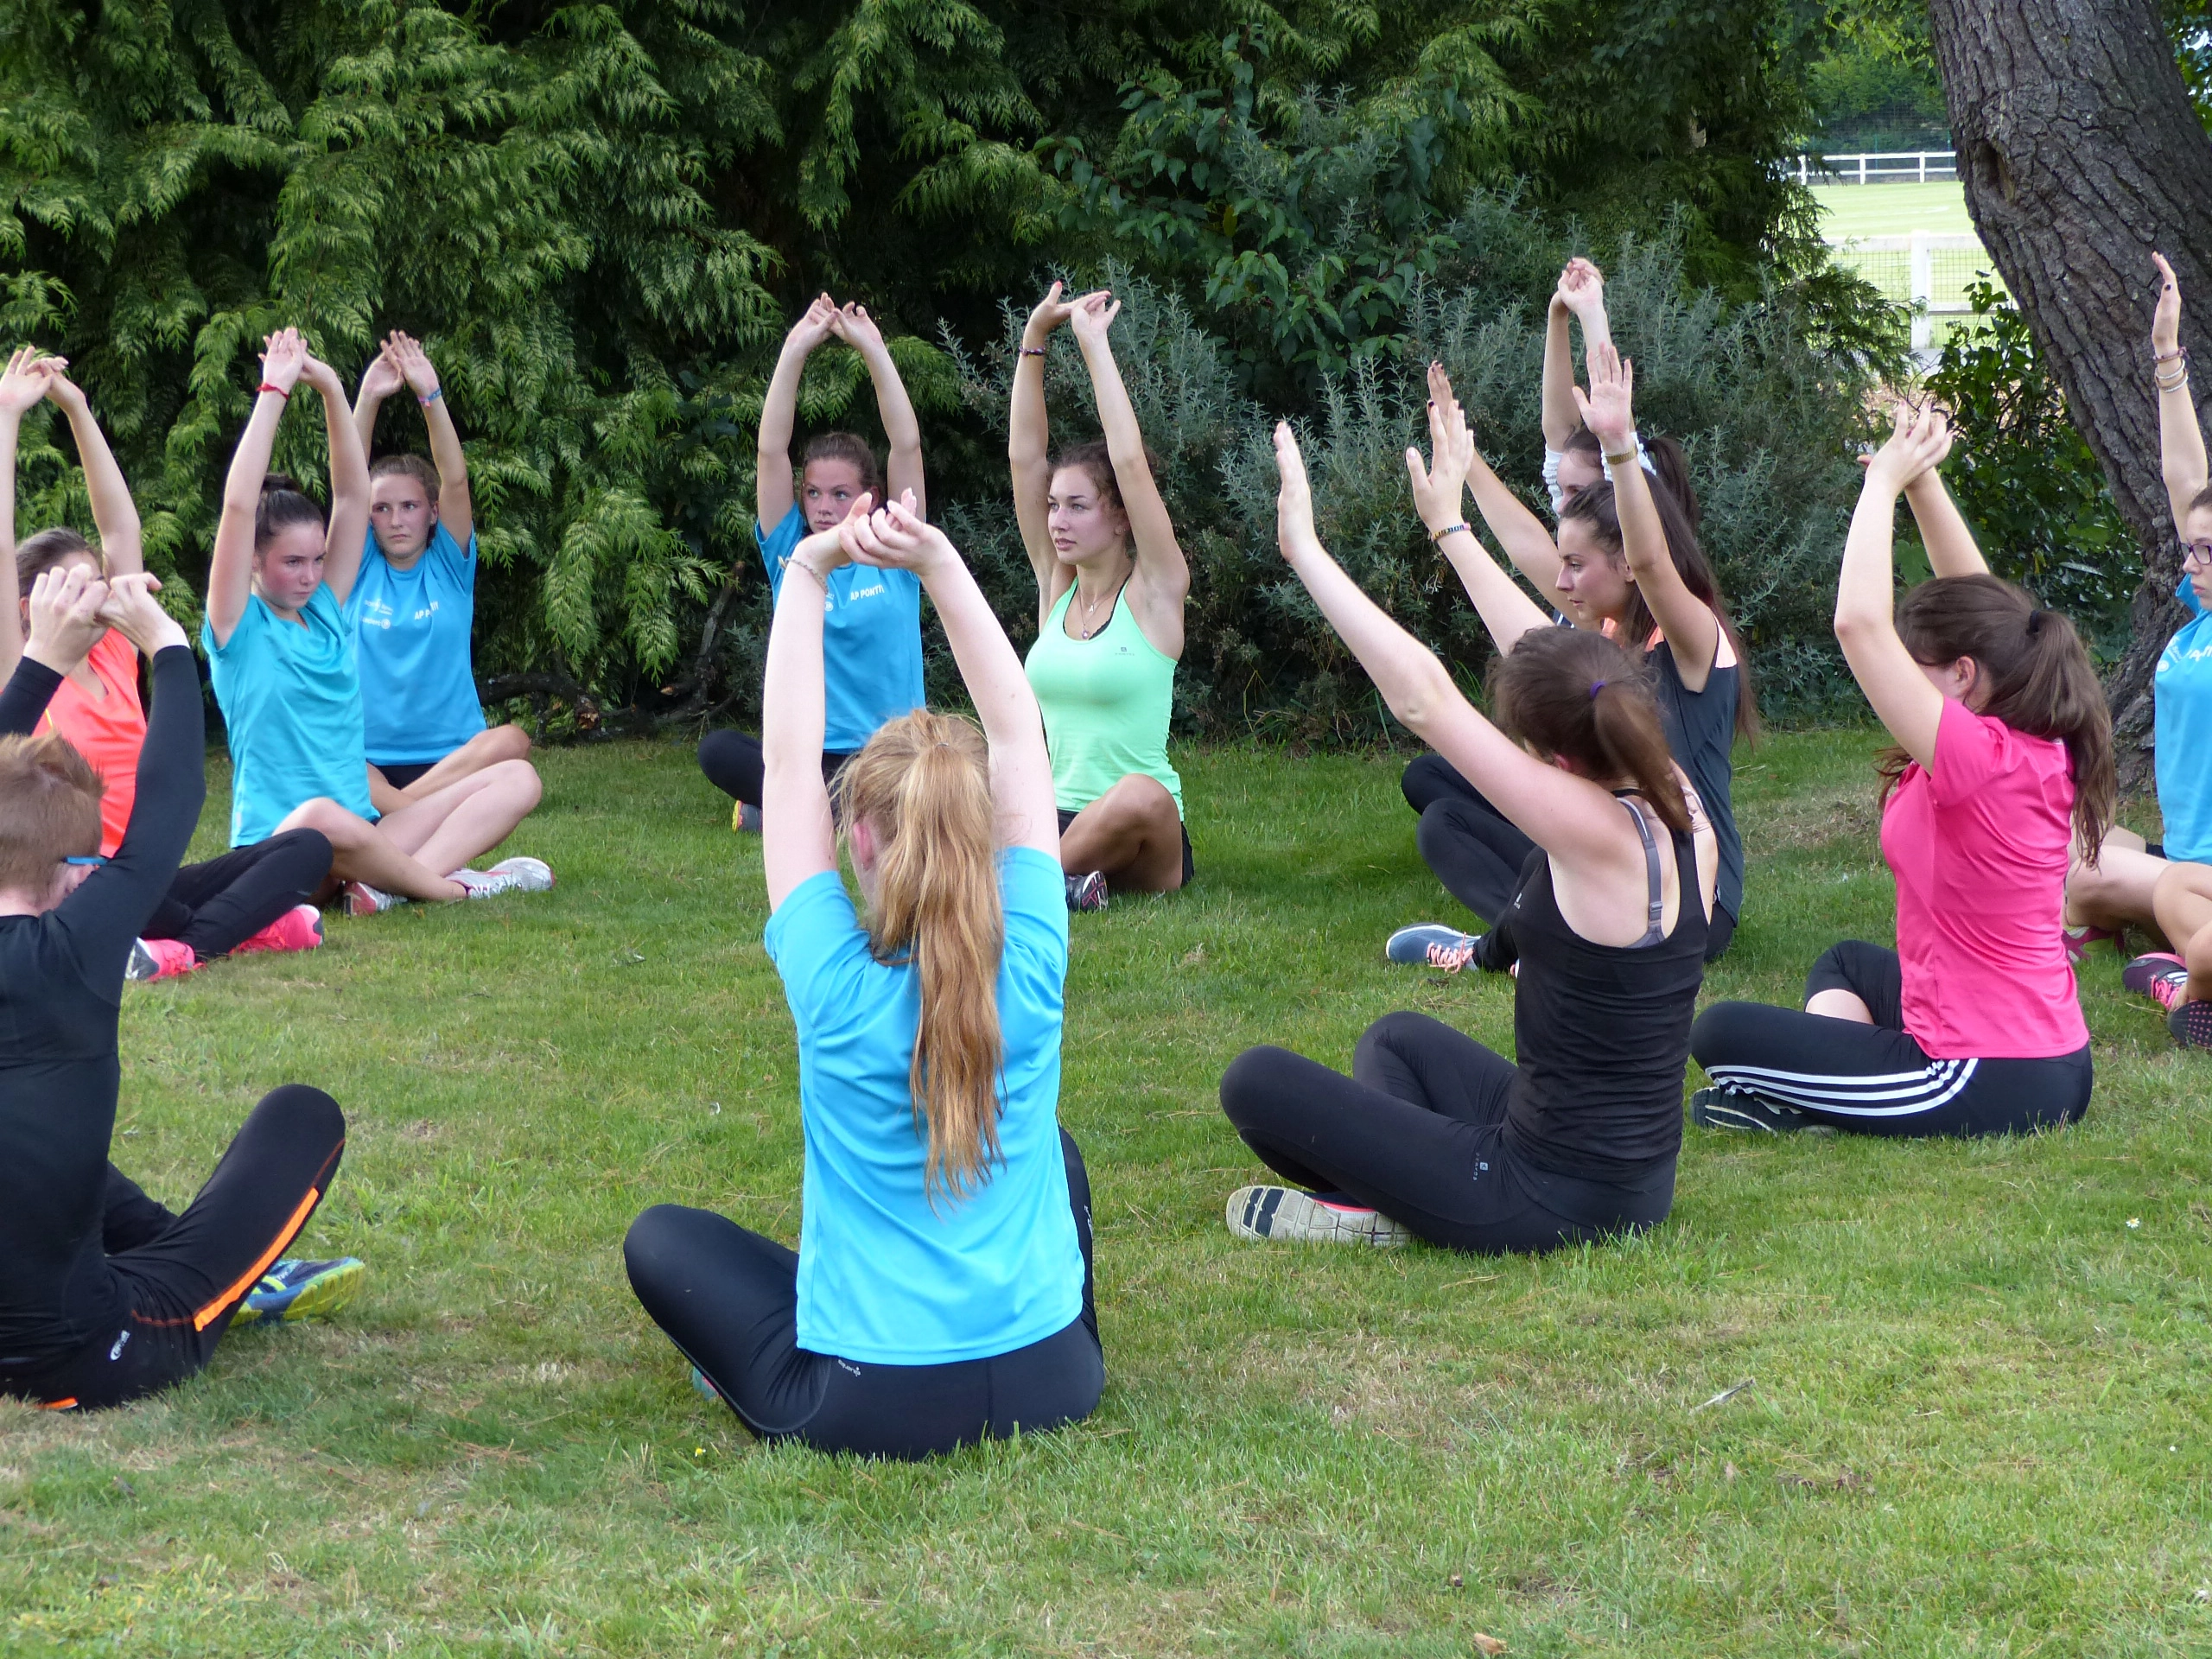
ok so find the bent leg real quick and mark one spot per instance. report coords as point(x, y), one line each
point(215, 906)
point(733, 765)
point(2117, 890)
point(361, 851)
point(1477, 855)
point(728, 1299)
point(1425, 1062)
point(487, 748)
point(462, 822)
point(1432, 777)
point(1133, 833)
point(1854, 980)
point(2183, 899)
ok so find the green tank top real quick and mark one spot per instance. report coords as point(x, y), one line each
point(1106, 701)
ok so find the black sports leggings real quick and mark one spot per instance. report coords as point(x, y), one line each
point(1417, 1132)
point(183, 1277)
point(728, 1299)
point(732, 763)
point(1477, 853)
point(216, 906)
point(1876, 1079)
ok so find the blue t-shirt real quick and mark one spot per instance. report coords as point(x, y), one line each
point(418, 685)
point(871, 641)
point(882, 1277)
point(2182, 689)
point(291, 699)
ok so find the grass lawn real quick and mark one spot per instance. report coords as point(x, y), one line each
point(1899, 209)
point(1969, 1412)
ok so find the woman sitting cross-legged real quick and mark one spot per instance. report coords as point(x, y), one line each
point(281, 650)
point(941, 1291)
point(1111, 582)
point(1434, 1136)
point(2003, 764)
point(105, 1296)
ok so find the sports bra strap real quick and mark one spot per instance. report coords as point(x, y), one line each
point(1653, 932)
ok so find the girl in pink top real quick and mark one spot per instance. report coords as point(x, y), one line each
point(2003, 766)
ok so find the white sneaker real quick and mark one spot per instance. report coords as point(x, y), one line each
point(362, 900)
point(508, 875)
point(1284, 1212)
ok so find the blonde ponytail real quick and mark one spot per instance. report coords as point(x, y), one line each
point(923, 787)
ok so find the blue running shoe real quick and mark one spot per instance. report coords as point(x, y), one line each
point(705, 1389)
point(1431, 945)
point(293, 1289)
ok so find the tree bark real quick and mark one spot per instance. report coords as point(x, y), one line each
point(2081, 154)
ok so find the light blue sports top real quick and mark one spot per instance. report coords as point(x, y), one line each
point(291, 702)
point(871, 639)
point(418, 683)
point(2181, 689)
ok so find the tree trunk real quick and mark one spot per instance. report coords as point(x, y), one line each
point(2081, 153)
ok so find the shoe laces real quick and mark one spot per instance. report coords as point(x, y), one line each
point(2167, 988)
point(1450, 958)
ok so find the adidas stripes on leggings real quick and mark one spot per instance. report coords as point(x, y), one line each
point(1876, 1079)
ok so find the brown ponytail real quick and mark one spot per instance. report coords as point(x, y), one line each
point(1565, 691)
point(923, 786)
point(2040, 679)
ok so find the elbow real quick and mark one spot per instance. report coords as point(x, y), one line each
point(1855, 627)
point(1416, 703)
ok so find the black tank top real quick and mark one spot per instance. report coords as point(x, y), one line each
point(1602, 1032)
point(1701, 728)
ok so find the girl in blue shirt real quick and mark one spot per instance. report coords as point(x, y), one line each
point(2168, 889)
point(279, 637)
point(871, 639)
point(941, 1291)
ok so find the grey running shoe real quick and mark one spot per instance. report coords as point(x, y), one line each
point(1719, 1108)
point(1284, 1212)
point(745, 818)
point(362, 900)
point(508, 875)
point(1431, 945)
point(1087, 892)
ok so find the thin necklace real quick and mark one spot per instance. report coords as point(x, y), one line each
point(1088, 629)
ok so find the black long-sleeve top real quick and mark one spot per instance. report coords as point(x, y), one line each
point(28, 692)
point(60, 996)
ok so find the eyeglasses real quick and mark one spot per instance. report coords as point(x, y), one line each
point(93, 860)
point(2197, 552)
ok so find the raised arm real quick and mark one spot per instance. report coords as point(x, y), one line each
point(114, 514)
point(1688, 622)
point(1022, 772)
point(772, 477)
point(1952, 550)
point(455, 512)
point(230, 569)
point(2181, 440)
point(1161, 579)
point(1903, 698)
point(797, 837)
point(379, 380)
point(21, 387)
point(66, 620)
point(903, 477)
point(1580, 295)
point(1519, 531)
point(1564, 814)
point(346, 539)
point(1437, 490)
point(1028, 449)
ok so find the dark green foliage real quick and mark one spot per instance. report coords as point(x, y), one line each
point(1863, 101)
point(2026, 479)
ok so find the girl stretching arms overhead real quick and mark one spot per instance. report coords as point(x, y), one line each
point(2003, 762)
point(941, 1291)
point(1433, 1135)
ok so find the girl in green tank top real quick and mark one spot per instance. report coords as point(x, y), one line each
point(1110, 585)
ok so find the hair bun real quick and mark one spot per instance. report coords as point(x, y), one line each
point(278, 481)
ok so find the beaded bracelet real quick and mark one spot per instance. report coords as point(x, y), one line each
point(1032, 351)
point(436, 392)
point(1438, 536)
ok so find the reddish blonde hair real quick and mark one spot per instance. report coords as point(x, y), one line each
point(49, 809)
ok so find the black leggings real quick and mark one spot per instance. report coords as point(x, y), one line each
point(1417, 1132)
point(1477, 853)
point(728, 1299)
point(216, 906)
point(183, 1277)
point(1876, 1079)
point(732, 763)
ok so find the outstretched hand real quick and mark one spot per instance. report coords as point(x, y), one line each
point(853, 324)
point(27, 379)
point(1439, 489)
point(1092, 315)
point(1048, 314)
point(66, 623)
point(1607, 407)
point(1919, 440)
point(413, 363)
point(2165, 322)
point(1294, 497)
point(283, 360)
point(381, 378)
point(131, 609)
point(1582, 290)
point(817, 326)
point(895, 537)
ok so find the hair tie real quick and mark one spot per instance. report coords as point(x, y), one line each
point(1596, 686)
point(2035, 621)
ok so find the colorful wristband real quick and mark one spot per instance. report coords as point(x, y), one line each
point(267, 386)
point(436, 392)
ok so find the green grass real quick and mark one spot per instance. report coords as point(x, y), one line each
point(1974, 1418)
point(1852, 210)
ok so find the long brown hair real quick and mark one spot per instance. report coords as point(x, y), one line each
point(923, 787)
point(1597, 507)
point(36, 555)
point(1669, 469)
point(1567, 691)
point(2041, 682)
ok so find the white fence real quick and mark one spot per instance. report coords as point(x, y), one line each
point(1931, 269)
point(1888, 167)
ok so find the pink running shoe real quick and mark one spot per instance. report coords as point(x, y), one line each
point(2078, 941)
point(362, 900)
point(298, 928)
point(153, 959)
point(2160, 975)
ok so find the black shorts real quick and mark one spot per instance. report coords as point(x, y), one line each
point(1190, 866)
point(404, 774)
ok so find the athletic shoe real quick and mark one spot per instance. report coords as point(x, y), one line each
point(703, 1389)
point(508, 875)
point(1087, 892)
point(2159, 974)
point(1284, 1212)
point(298, 928)
point(362, 900)
point(294, 1289)
point(2191, 1024)
point(159, 959)
point(1721, 1108)
point(1431, 945)
point(2078, 939)
point(745, 818)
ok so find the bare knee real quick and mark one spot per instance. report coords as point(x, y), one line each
point(505, 743)
point(326, 817)
point(519, 780)
point(1137, 799)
